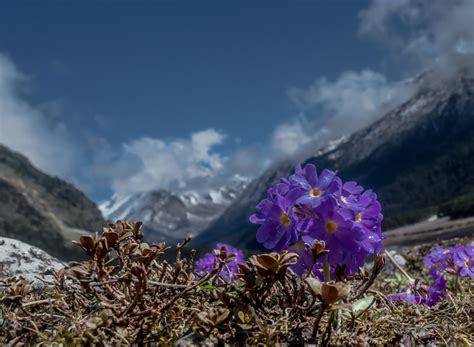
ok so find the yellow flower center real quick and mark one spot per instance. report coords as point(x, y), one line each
point(468, 263)
point(331, 227)
point(315, 192)
point(358, 218)
point(285, 220)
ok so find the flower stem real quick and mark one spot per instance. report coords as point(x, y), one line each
point(327, 272)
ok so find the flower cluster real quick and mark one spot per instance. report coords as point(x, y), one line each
point(435, 293)
point(457, 260)
point(209, 262)
point(308, 207)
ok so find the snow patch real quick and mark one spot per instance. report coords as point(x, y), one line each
point(332, 145)
point(432, 218)
point(109, 207)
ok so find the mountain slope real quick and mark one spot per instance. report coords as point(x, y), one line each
point(417, 157)
point(169, 216)
point(41, 210)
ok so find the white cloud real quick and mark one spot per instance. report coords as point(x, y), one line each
point(29, 129)
point(169, 164)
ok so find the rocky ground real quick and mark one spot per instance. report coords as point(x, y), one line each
point(20, 259)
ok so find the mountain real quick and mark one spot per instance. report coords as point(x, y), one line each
point(418, 158)
point(42, 210)
point(169, 216)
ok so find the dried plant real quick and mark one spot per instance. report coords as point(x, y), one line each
point(128, 293)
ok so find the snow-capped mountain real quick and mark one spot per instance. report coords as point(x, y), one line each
point(170, 216)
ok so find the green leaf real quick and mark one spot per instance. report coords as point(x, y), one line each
point(362, 305)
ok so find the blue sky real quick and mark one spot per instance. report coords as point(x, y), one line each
point(110, 75)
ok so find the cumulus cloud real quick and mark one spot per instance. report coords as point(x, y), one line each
point(436, 34)
point(32, 130)
point(180, 164)
point(169, 164)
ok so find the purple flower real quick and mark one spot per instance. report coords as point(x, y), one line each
point(436, 292)
point(351, 188)
point(455, 260)
point(305, 261)
point(314, 188)
point(345, 239)
point(365, 210)
point(278, 223)
point(405, 297)
point(308, 207)
point(437, 261)
point(463, 259)
point(209, 261)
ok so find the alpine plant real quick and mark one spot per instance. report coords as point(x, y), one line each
point(456, 261)
point(308, 207)
point(210, 261)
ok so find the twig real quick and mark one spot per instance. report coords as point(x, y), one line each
point(398, 266)
point(171, 285)
point(38, 302)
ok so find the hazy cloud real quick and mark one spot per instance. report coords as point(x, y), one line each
point(339, 107)
point(435, 34)
point(33, 130)
point(287, 138)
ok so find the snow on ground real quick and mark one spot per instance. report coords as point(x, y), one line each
point(432, 218)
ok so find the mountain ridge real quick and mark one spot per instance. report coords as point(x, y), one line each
point(172, 216)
